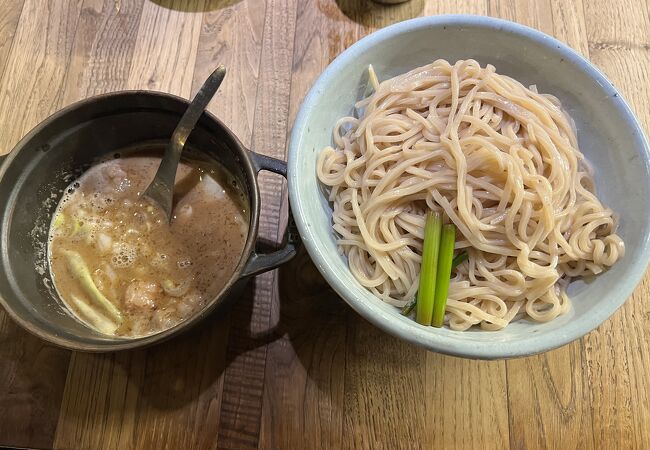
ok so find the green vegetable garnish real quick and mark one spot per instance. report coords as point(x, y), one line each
point(445, 259)
point(406, 310)
point(58, 221)
point(458, 260)
point(94, 317)
point(79, 270)
point(428, 269)
point(76, 226)
point(176, 290)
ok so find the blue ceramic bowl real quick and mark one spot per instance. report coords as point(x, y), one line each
point(608, 134)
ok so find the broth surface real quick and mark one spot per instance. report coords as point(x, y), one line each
point(117, 264)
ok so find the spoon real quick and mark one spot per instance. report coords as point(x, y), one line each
point(161, 189)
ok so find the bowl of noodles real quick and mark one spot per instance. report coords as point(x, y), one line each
point(523, 147)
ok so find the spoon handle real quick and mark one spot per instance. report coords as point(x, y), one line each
point(161, 188)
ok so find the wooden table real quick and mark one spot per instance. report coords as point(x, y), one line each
point(291, 366)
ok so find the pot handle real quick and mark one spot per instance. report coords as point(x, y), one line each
point(262, 262)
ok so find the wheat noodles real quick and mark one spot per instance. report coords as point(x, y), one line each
point(501, 160)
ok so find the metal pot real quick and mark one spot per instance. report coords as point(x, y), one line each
point(34, 175)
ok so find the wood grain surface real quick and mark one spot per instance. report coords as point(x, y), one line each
point(291, 366)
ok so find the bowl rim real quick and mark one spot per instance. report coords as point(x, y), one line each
point(432, 339)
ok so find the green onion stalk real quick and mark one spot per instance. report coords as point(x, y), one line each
point(458, 260)
point(445, 260)
point(428, 269)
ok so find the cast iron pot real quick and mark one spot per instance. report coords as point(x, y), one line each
point(35, 173)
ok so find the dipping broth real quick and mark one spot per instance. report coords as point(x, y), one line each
point(121, 268)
